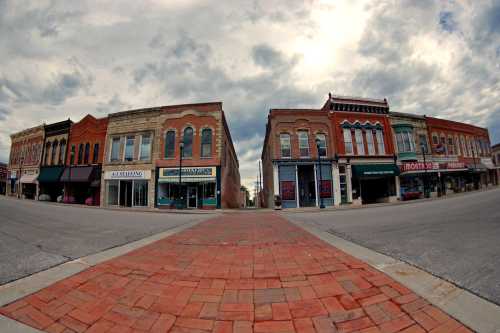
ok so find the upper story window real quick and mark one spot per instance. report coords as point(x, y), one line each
point(322, 144)
point(369, 142)
point(443, 144)
point(206, 142)
point(348, 141)
point(303, 144)
point(53, 153)
point(87, 153)
point(72, 155)
point(188, 142)
point(95, 156)
point(360, 144)
point(405, 142)
point(435, 139)
point(380, 142)
point(80, 153)
point(285, 145)
point(457, 146)
point(145, 149)
point(170, 144)
point(451, 146)
point(129, 148)
point(115, 149)
point(62, 151)
point(422, 138)
point(464, 147)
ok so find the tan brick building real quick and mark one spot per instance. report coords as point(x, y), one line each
point(24, 162)
point(142, 158)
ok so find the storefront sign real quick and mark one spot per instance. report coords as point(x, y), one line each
point(128, 174)
point(188, 172)
point(325, 189)
point(419, 166)
point(452, 165)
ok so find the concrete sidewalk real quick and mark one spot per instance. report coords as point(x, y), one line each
point(234, 273)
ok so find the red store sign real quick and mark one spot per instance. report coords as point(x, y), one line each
point(420, 166)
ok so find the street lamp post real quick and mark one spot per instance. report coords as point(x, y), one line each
point(181, 147)
point(71, 160)
point(423, 148)
point(20, 186)
point(321, 205)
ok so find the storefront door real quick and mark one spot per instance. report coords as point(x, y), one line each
point(126, 193)
point(192, 193)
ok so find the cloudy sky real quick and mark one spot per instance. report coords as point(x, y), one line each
point(61, 59)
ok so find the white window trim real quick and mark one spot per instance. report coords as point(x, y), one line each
point(111, 149)
point(308, 146)
point(125, 148)
point(140, 146)
point(289, 145)
point(379, 143)
point(348, 130)
point(369, 133)
point(358, 144)
point(326, 145)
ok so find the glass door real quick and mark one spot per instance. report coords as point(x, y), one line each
point(192, 193)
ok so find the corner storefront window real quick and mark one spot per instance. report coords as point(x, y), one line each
point(112, 190)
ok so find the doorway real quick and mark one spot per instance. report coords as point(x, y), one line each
point(192, 197)
point(307, 185)
point(126, 193)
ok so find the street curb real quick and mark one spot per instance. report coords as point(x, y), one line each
point(15, 290)
point(473, 311)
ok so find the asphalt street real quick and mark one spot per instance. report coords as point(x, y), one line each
point(455, 238)
point(35, 235)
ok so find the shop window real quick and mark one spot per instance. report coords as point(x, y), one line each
point(287, 190)
point(343, 184)
point(209, 191)
point(322, 144)
point(53, 153)
point(325, 189)
point(72, 156)
point(285, 146)
point(380, 142)
point(435, 140)
point(115, 149)
point(360, 144)
point(348, 141)
point(369, 142)
point(87, 153)
point(303, 144)
point(140, 192)
point(422, 138)
point(188, 142)
point(80, 153)
point(206, 142)
point(145, 152)
point(170, 144)
point(451, 151)
point(113, 191)
point(95, 157)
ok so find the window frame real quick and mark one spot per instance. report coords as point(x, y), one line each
point(118, 146)
point(303, 137)
point(86, 154)
point(203, 144)
point(347, 133)
point(370, 143)
point(80, 154)
point(322, 141)
point(360, 142)
point(166, 150)
point(191, 137)
point(141, 157)
point(379, 134)
point(95, 153)
point(282, 146)
point(127, 137)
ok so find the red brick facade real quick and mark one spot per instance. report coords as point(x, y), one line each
point(90, 131)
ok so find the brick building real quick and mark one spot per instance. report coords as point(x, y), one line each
point(365, 166)
point(495, 149)
point(3, 178)
point(290, 165)
point(82, 174)
point(53, 161)
point(463, 153)
point(24, 162)
point(209, 176)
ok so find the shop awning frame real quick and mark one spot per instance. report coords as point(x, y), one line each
point(50, 174)
point(79, 174)
point(374, 170)
point(187, 180)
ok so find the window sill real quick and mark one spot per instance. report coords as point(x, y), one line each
point(205, 157)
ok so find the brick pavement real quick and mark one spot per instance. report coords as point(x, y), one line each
point(252, 272)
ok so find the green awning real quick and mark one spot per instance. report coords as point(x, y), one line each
point(367, 170)
point(50, 174)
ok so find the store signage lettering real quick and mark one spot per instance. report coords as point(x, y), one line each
point(417, 166)
point(128, 174)
point(189, 172)
point(383, 172)
point(454, 165)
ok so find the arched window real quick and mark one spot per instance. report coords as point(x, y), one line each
point(72, 156)
point(47, 152)
point(87, 153)
point(170, 144)
point(62, 152)
point(188, 142)
point(95, 156)
point(80, 153)
point(206, 142)
point(53, 153)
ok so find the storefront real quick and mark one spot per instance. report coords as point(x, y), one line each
point(127, 188)
point(29, 185)
point(299, 182)
point(374, 183)
point(197, 187)
point(51, 189)
point(82, 185)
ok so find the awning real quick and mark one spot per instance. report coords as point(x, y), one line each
point(370, 170)
point(50, 174)
point(82, 174)
point(29, 179)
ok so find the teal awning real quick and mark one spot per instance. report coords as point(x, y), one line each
point(50, 174)
point(367, 170)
